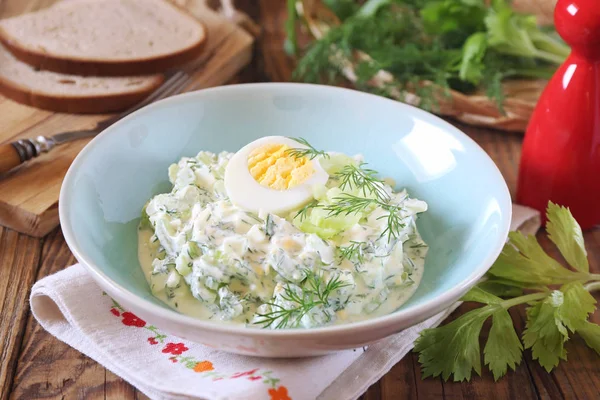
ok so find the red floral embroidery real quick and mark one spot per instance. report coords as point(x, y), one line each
point(130, 319)
point(240, 374)
point(175, 348)
point(205, 367)
point(281, 393)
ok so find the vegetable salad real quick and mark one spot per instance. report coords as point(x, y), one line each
point(351, 252)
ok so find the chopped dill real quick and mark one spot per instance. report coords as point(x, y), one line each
point(269, 226)
point(315, 291)
point(354, 251)
point(365, 179)
point(309, 151)
point(394, 222)
point(347, 204)
point(302, 213)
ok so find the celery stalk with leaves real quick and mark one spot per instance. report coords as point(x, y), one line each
point(558, 302)
point(465, 45)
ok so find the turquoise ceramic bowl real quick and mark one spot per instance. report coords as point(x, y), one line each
point(117, 172)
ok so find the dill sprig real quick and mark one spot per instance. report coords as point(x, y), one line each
point(314, 292)
point(364, 179)
point(394, 222)
point(354, 251)
point(347, 204)
point(303, 212)
point(309, 152)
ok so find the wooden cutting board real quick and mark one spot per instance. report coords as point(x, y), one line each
point(29, 195)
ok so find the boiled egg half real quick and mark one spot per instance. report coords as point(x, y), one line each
point(265, 176)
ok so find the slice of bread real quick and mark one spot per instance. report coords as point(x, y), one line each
point(71, 93)
point(105, 37)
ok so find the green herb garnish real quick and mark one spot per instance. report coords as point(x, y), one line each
point(309, 152)
point(394, 222)
point(353, 252)
point(363, 179)
point(395, 47)
point(303, 212)
point(558, 298)
point(346, 204)
point(269, 226)
point(314, 291)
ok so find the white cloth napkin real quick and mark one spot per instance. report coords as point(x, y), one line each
point(73, 308)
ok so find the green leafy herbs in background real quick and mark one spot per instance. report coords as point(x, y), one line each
point(558, 301)
point(465, 45)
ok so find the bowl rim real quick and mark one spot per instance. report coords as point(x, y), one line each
point(415, 314)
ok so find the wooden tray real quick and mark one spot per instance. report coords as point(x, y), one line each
point(29, 195)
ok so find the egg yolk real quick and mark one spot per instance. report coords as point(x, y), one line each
point(272, 166)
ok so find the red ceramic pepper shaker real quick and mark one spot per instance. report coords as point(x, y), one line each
point(561, 151)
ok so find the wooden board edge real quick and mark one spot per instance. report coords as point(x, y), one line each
point(241, 48)
point(22, 221)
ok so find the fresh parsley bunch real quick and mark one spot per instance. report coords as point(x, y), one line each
point(558, 302)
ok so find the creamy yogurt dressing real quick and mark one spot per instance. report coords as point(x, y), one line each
point(207, 258)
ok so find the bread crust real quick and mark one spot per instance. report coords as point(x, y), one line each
point(95, 67)
point(88, 67)
point(76, 104)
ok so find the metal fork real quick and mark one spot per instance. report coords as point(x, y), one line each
point(16, 153)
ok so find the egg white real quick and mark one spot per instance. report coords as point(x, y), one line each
point(246, 193)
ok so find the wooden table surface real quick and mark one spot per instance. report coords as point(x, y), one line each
point(34, 364)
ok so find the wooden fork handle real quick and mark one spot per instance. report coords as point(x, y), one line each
point(9, 158)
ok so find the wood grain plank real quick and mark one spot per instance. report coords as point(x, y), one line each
point(19, 258)
point(373, 393)
point(430, 388)
point(51, 369)
point(116, 388)
point(140, 396)
point(276, 64)
point(400, 381)
point(17, 118)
